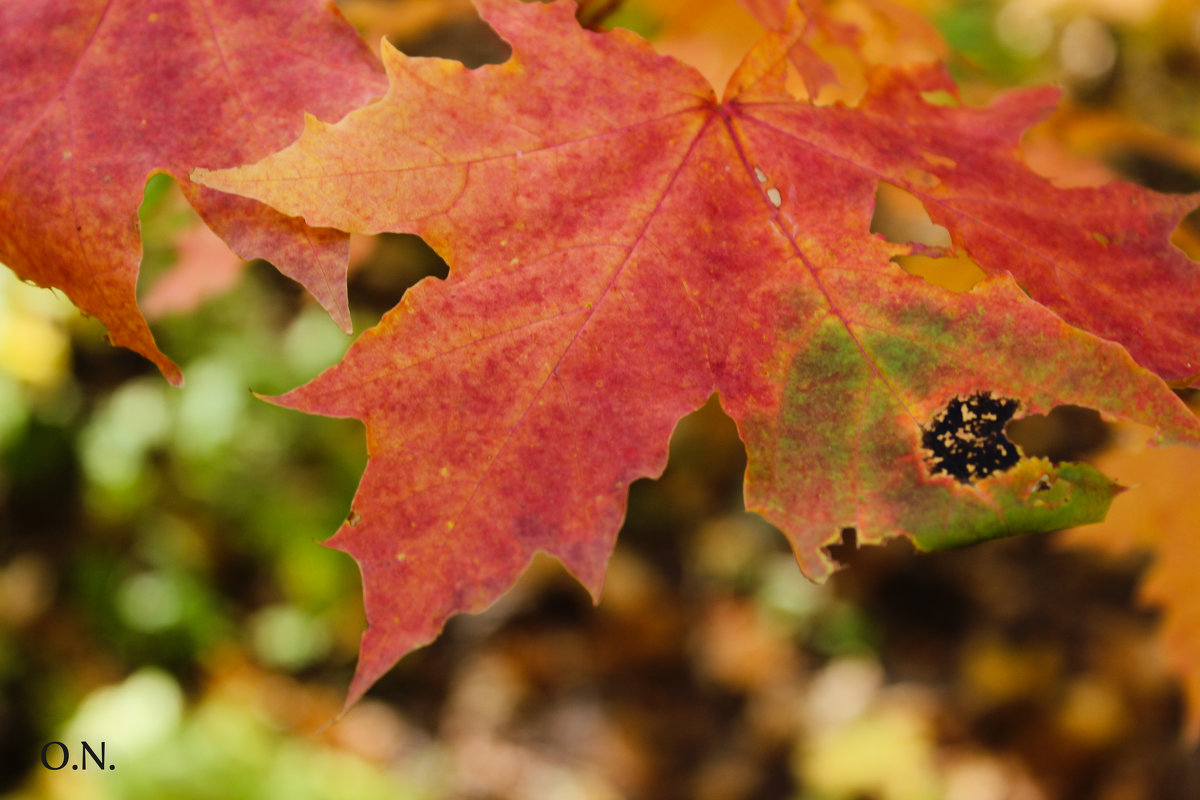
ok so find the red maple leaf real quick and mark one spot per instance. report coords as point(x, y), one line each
point(622, 245)
point(98, 95)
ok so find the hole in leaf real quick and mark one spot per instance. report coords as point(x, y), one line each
point(463, 36)
point(956, 273)
point(1067, 433)
point(901, 218)
point(966, 439)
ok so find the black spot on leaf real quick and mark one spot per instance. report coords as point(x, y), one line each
point(966, 439)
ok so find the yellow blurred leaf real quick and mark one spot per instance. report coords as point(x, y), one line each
point(33, 344)
point(1162, 515)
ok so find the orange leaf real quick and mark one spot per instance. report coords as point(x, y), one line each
point(1162, 516)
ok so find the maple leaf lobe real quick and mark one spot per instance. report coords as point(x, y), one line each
point(101, 94)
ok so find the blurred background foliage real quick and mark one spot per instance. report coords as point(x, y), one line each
point(162, 589)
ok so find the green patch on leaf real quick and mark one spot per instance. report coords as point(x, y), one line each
point(1032, 497)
